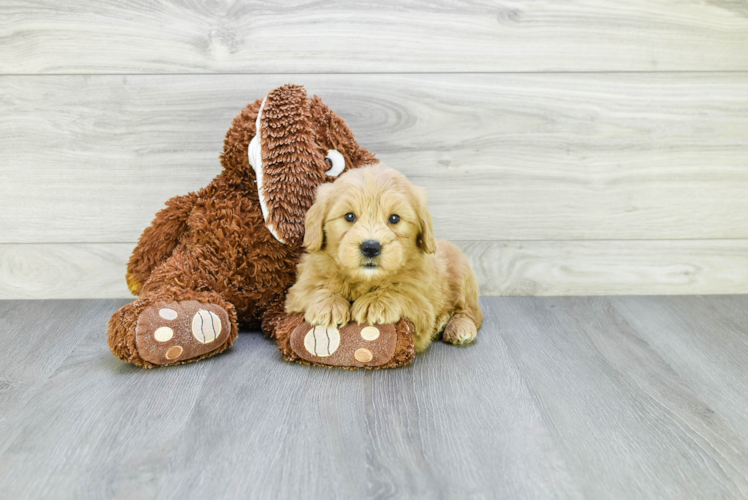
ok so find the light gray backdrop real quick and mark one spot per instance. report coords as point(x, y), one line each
point(580, 147)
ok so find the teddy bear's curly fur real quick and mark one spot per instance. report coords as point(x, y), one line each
point(227, 251)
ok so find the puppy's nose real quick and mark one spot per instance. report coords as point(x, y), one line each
point(371, 248)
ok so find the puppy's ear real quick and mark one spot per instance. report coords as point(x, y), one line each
point(314, 225)
point(426, 239)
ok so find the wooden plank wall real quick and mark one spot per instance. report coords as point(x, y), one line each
point(582, 147)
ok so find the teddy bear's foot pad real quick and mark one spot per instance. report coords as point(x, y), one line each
point(352, 346)
point(173, 332)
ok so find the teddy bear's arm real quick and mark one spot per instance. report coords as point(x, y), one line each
point(159, 240)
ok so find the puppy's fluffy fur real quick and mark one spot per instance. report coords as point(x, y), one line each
point(415, 276)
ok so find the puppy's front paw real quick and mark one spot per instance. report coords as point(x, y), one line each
point(376, 310)
point(332, 311)
point(460, 330)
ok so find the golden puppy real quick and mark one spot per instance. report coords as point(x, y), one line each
point(372, 257)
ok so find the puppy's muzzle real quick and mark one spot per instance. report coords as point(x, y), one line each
point(371, 249)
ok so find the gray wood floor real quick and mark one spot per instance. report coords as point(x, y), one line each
point(625, 397)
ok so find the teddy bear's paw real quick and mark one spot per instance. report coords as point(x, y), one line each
point(173, 332)
point(460, 330)
point(352, 346)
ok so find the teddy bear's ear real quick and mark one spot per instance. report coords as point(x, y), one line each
point(288, 164)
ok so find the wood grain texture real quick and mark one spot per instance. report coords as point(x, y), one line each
point(504, 157)
point(64, 271)
point(384, 36)
point(96, 270)
point(610, 267)
point(678, 328)
point(35, 342)
point(631, 397)
point(616, 429)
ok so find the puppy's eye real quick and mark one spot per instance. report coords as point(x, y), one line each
point(394, 219)
point(350, 217)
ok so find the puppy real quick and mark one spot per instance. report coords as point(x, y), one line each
point(372, 257)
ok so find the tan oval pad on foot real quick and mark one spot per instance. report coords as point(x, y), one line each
point(171, 332)
point(358, 346)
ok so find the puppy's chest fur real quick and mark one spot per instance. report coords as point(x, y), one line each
point(354, 290)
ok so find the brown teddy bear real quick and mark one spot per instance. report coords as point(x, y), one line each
point(226, 255)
